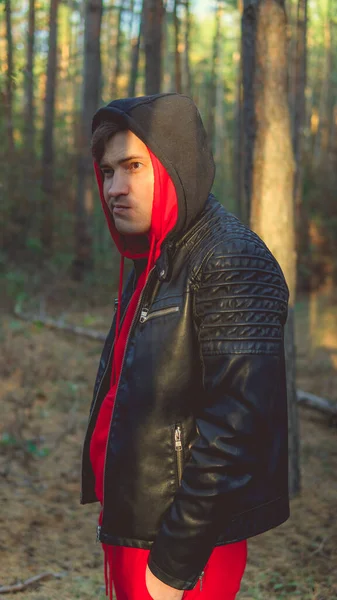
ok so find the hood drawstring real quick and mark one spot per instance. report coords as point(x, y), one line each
point(108, 569)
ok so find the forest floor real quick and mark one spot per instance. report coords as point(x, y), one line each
point(46, 384)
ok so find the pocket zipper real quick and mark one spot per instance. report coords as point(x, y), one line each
point(145, 315)
point(179, 450)
point(200, 579)
point(98, 532)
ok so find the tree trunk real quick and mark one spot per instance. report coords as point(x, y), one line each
point(187, 74)
point(117, 53)
point(90, 100)
point(135, 47)
point(153, 11)
point(47, 182)
point(29, 86)
point(322, 136)
point(9, 78)
point(214, 76)
point(177, 55)
point(271, 189)
point(292, 39)
point(248, 25)
point(239, 136)
point(299, 100)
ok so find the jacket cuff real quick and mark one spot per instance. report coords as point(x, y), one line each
point(170, 580)
point(179, 560)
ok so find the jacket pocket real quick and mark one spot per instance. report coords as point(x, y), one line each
point(179, 452)
point(146, 315)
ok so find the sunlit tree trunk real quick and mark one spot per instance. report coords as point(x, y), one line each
point(153, 11)
point(90, 99)
point(177, 54)
point(47, 182)
point(9, 77)
point(271, 184)
point(29, 84)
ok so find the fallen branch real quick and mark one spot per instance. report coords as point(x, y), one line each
point(54, 324)
point(19, 587)
point(321, 404)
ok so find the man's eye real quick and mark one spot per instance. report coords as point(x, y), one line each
point(108, 173)
point(134, 166)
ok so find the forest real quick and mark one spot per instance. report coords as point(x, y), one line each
point(263, 74)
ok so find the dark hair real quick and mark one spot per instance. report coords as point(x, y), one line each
point(101, 136)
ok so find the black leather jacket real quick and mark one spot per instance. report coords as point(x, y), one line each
point(197, 449)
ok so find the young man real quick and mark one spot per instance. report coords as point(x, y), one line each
point(186, 447)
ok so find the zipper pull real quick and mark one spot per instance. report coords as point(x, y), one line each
point(177, 439)
point(143, 315)
point(98, 533)
point(200, 579)
point(116, 304)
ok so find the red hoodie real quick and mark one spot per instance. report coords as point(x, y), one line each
point(164, 217)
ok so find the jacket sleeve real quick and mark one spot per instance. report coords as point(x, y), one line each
point(240, 307)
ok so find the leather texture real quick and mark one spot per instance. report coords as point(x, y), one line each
point(207, 360)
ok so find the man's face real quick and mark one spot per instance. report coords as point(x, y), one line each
point(128, 183)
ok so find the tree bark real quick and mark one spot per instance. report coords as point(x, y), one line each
point(117, 53)
point(239, 135)
point(322, 136)
point(47, 182)
point(248, 26)
point(29, 85)
point(187, 65)
point(214, 76)
point(271, 185)
point(177, 54)
point(9, 78)
point(91, 93)
point(299, 99)
point(153, 11)
point(135, 48)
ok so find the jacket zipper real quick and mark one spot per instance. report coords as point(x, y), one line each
point(99, 388)
point(120, 374)
point(145, 316)
point(94, 404)
point(179, 450)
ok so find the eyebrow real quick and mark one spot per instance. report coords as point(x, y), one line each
point(107, 165)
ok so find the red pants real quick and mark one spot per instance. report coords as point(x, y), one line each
point(221, 581)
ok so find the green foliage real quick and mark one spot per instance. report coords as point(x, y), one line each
point(282, 587)
point(30, 446)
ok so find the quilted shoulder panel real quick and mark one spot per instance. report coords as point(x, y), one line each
point(242, 297)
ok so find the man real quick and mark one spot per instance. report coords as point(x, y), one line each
point(186, 447)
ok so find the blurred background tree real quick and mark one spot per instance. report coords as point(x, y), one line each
point(62, 59)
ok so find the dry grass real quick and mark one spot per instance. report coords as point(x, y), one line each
point(46, 386)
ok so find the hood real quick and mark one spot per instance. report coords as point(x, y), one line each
point(171, 127)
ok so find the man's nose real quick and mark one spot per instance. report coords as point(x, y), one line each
point(118, 186)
